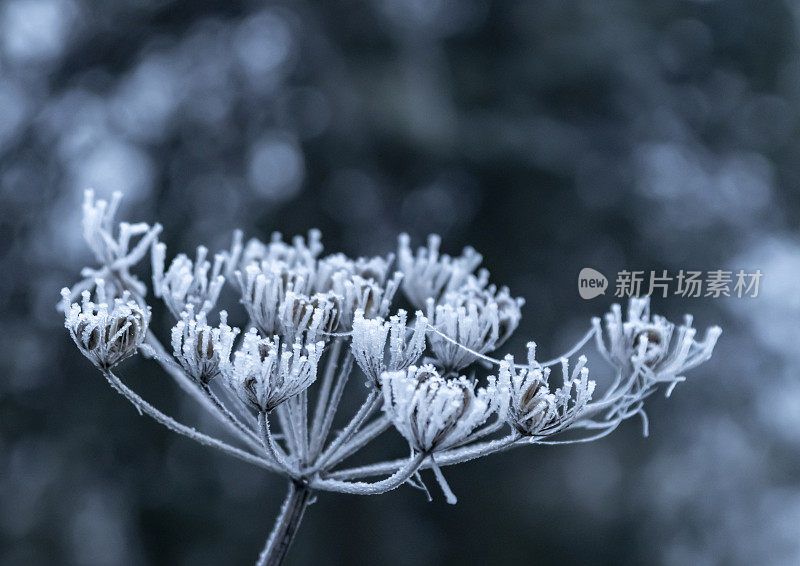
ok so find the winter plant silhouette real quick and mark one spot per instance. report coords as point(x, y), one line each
point(277, 386)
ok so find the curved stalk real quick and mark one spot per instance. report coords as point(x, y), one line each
point(144, 407)
point(205, 398)
point(398, 478)
point(245, 433)
point(445, 458)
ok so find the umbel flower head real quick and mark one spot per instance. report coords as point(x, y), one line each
point(185, 282)
point(309, 319)
point(472, 320)
point(533, 409)
point(195, 344)
point(116, 254)
point(354, 293)
point(104, 332)
point(434, 413)
point(369, 343)
point(652, 344)
point(264, 288)
point(264, 373)
point(428, 275)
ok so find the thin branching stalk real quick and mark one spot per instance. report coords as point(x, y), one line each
point(336, 396)
point(363, 437)
point(445, 458)
point(144, 407)
point(372, 402)
point(334, 353)
point(398, 478)
point(245, 433)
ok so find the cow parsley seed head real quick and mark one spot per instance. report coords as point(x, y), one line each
point(195, 344)
point(369, 345)
point(374, 269)
point(536, 410)
point(264, 289)
point(469, 321)
point(116, 255)
point(297, 254)
point(434, 413)
point(308, 319)
point(104, 332)
point(367, 295)
point(186, 283)
point(428, 275)
point(652, 344)
point(265, 372)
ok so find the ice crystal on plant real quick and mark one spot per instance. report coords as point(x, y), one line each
point(104, 332)
point(195, 344)
point(428, 274)
point(434, 413)
point(652, 344)
point(306, 318)
point(369, 343)
point(534, 408)
point(265, 372)
point(114, 254)
point(471, 321)
point(187, 283)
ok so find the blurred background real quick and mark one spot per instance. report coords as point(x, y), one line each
point(549, 135)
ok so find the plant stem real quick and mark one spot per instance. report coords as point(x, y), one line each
point(286, 525)
point(144, 407)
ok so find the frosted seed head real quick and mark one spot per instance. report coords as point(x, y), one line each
point(434, 413)
point(197, 346)
point(105, 333)
point(428, 275)
point(265, 372)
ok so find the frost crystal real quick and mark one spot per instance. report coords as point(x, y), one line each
point(195, 344)
point(187, 283)
point(308, 319)
point(434, 413)
point(370, 343)
point(264, 290)
point(298, 254)
point(114, 254)
point(652, 345)
point(533, 409)
point(358, 294)
point(105, 333)
point(264, 372)
point(471, 321)
point(428, 275)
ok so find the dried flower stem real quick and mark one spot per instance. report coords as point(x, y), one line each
point(144, 407)
point(372, 402)
point(286, 525)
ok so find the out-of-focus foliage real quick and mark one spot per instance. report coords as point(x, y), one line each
point(549, 135)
